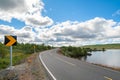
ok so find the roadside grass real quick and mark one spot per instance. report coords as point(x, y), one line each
point(17, 58)
point(4, 62)
point(20, 53)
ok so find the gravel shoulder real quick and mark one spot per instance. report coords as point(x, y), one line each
point(31, 69)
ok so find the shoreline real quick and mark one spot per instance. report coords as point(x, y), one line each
point(113, 68)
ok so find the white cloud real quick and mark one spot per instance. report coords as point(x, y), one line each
point(38, 21)
point(94, 31)
point(26, 34)
point(9, 5)
point(27, 11)
point(89, 29)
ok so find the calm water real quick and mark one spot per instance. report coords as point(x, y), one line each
point(109, 58)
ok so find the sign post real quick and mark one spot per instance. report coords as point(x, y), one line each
point(10, 41)
point(11, 56)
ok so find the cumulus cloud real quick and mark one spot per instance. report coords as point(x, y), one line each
point(5, 30)
point(26, 34)
point(94, 31)
point(89, 29)
point(97, 30)
point(27, 11)
point(38, 21)
point(11, 5)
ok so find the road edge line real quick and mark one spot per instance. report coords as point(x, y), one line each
point(107, 78)
point(46, 67)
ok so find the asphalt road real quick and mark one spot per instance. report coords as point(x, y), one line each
point(64, 68)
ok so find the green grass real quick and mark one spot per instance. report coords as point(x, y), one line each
point(20, 53)
point(4, 62)
point(106, 46)
point(17, 58)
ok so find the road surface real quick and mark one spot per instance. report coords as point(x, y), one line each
point(64, 68)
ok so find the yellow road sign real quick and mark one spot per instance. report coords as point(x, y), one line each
point(10, 40)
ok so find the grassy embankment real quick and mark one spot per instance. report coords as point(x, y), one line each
point(20, 53)
point(77, 52)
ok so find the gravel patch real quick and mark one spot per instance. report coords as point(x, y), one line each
point(31, 69)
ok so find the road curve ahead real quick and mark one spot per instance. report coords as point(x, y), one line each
point(64, 68)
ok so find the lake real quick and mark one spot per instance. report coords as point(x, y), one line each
point(109, 58)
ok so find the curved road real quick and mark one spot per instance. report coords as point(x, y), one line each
point(65, 68)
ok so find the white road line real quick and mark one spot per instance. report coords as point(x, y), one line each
point(47, 68)
point(65, 61)
point(107, 78)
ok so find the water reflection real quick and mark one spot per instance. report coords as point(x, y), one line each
point(109, 58)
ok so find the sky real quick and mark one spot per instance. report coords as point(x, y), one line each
point(61, 22)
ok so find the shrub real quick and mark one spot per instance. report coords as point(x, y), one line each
point(74, 51)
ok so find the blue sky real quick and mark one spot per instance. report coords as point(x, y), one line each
point(81, 10)
point(14, 22)
point(61, 22)
point(75, 10)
